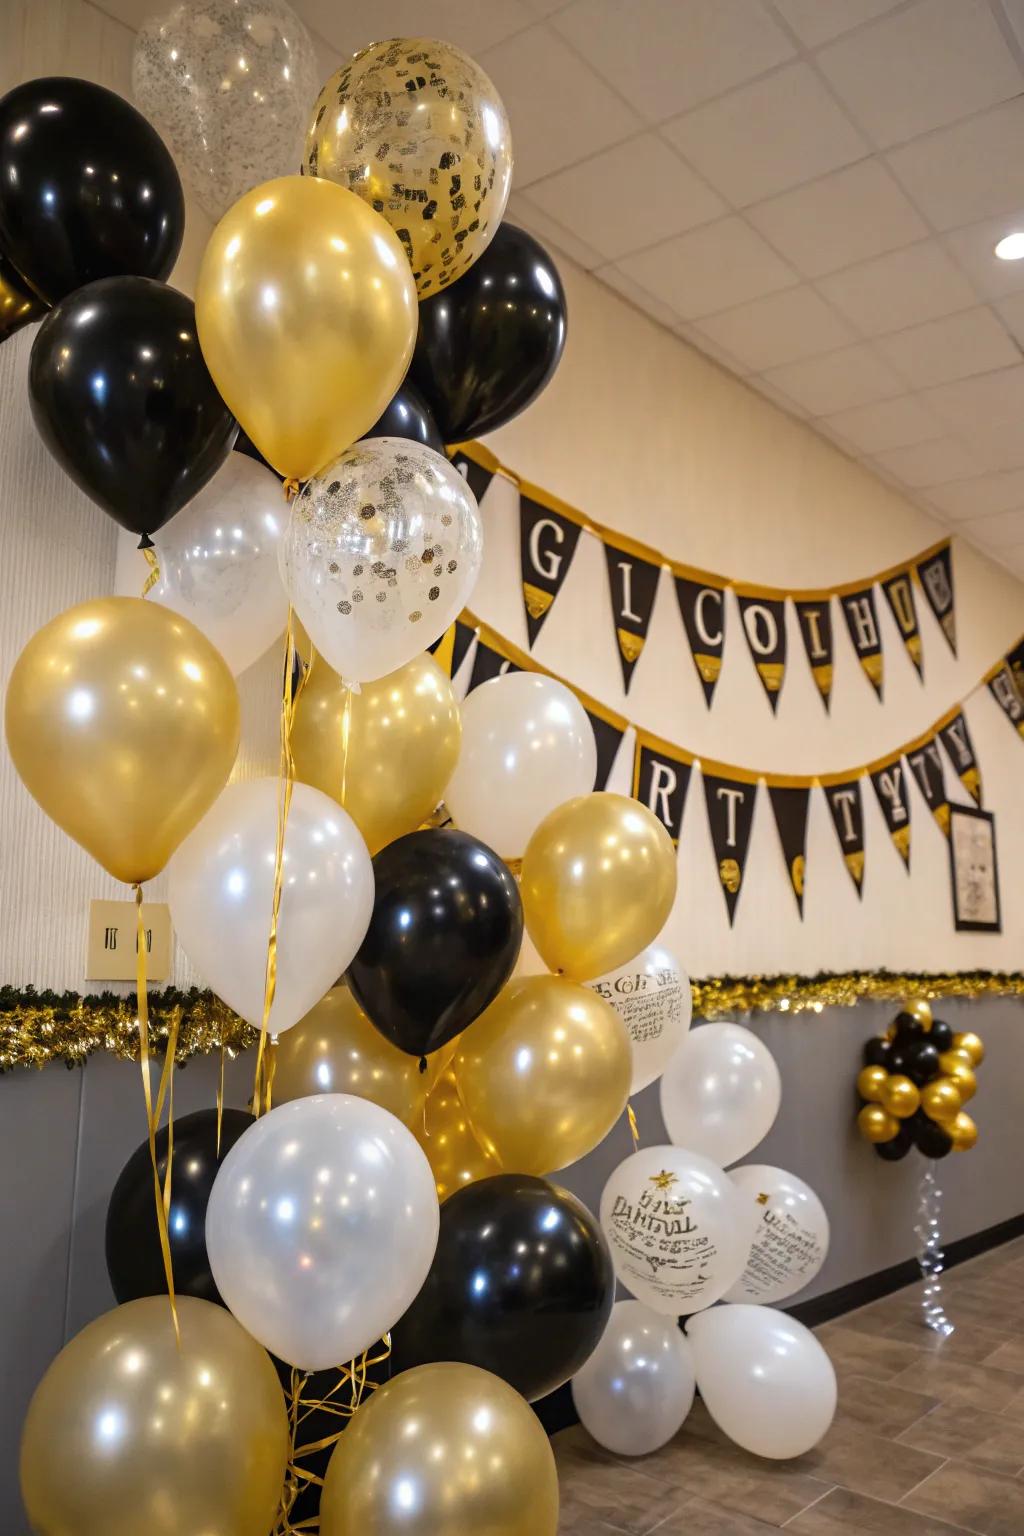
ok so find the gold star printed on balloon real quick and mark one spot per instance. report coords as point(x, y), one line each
point(663, 1180)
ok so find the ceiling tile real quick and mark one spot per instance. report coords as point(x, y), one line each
point(628, 197)
point(986, 412)
point(955, 347)
point(973, 248)
point(971, 171)
point(843, 218)
point(905, 287)
point(544, 8)
point(472, 26)
point(844, 379)
point(776, 329)
point(1012, 311)
point(666, 55)
point(818, 21)
point(559, 109)
point(886, 424)
point(928, 464)
point(522, 211)
point(708, 269)
point(639, 297)
point(767, 136)
point(1002, 530)
point(986, 493)
point(926, 66)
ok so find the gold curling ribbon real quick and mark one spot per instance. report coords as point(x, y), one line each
point(634, 1129)
point(291, 488)
point(346, 733)
point(220, 1097)
point(149, 555)
point(154, 1111)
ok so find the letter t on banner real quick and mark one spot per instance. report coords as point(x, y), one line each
point(730, 804)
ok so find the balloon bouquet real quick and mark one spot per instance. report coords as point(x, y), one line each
point(914, 1084)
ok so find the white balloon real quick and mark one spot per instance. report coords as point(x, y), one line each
point(527, 746)
point(230, 85)
point(636, 1389)
point(791, 1237)
point(381, 553)
point(720, 1093)
point(222, 889)
point(218, 562)
point(321, 1226)
point(764, 1378)
point(678, 1229)
point(651, 994)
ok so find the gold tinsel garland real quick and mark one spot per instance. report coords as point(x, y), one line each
point(39, 1027)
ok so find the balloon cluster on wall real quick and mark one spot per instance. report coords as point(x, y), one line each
point(914, 1083)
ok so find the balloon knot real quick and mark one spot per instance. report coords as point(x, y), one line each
point(291, 487)
point(145, 542)
point(423, 1063)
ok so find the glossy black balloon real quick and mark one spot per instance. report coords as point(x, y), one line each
point(409, 415)
point(876, 1052)
point(443, 938)
point(899, 1055)
point(87, 188)
point(124, 401)
point(929, 1137)
point(895, 1150)
point(489, 344)
point(921, 1060)
point(908, 1027)
point(521, 1285)
point(134, 1261)
point(941, 1035)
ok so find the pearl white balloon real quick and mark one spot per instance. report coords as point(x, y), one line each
point(321, 1227)
point(635, 1391)
point(764, 1378)
point(791, 1236)
point(720, 1093)
point(218, 562)
point(651, 994)
point(677, 1227)
point(527, 746)
point(222, 889)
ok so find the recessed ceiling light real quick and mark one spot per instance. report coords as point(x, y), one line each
point(1011, 247)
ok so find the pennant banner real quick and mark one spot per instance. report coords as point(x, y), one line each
point(764, 623)
point(702, 608)
point(935, 573)
point(790, 803)
point(814, 616)
point(899, 594)
point(477, 466)
point(547, 543)
point(449, 650)
point(956, 739)
point(847, 811)
point(661, 777)
point(925, 763)
point(1015, 661)
point(488, 663)
point(890, 784)
point(608, 737)
point(730, 806)
point(1007, 695)
point(862, 623)
point(633, 586)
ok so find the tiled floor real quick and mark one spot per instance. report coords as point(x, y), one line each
point(928, 1439)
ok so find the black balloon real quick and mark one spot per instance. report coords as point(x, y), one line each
point(443, 938)
point(134, 1261)
point(941, 1035)
point(929, 1137)
point(896, 1149)
point(921, 1060)
point(124, 401)
point(87, 188)
point(899, 1056)
point(521, 1285)
point(876, 1052)
point(409, 415)
point(488, 345)
point(908, 1027)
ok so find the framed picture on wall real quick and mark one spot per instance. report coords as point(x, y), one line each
point(974, 870)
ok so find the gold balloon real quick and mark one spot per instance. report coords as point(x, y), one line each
point(941, 1100)
point(876, 1124)
point(418, 130)
point(335, 1049)
point(955, 1066)
point(544, 1073)
point(307, 316)
point(385, 753)
point(900, 1096)
point(921, 1010)
point(442, 1450)
point(964, 1132)
point(128, 1433)
point(446, 1136)
point(968, 1041)
point(870, 1082)
point(123, 720)
point(19, 305)
point(598, 883)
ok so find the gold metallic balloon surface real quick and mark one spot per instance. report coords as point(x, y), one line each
point(968, 1041)
point(19, 305)
point(128, 1434)
point(442, 1450)
point(598, 883)
point(941, 1100)
point(899, 1096)
point(417, 129)
point(447, 1138)
point(335, 1049)
point(402, 735)
point(876, 1124)
point(964, 1132)
point(921, 1010)
point(123, 723)
point(544, 1073)
point(870, 1082)
point(307, 317)
point(954, 1066)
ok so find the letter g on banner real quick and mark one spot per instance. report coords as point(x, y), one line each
point(547, 543)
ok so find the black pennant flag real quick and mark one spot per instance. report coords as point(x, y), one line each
point(730, 804)
point(702, 608)
point(862, 622)
point(790, 806)
point(847, 811)
point(891, 789)
point(547, 543)
point(488, 663)
point(956, 739)
point(764, 623)
point(477, 476)
point(449, 650)
point(661, 777)
point(1015, 661)
point(633, 585)
point(936, 577)
point(608, 737)
point(1004, 690)
point(899, 594)
point(815, 619)
point(926, 765)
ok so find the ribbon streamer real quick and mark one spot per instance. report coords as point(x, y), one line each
point(155, 1110)
point(634, 1129)
point(930, 1258)
point(149, 555)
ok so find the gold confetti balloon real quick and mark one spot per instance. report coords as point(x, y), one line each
point(941, 1100)
point(876, 1124)
point(971, 1043)
point(417, 129)
point(899, 1096)
point(870, 1082)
